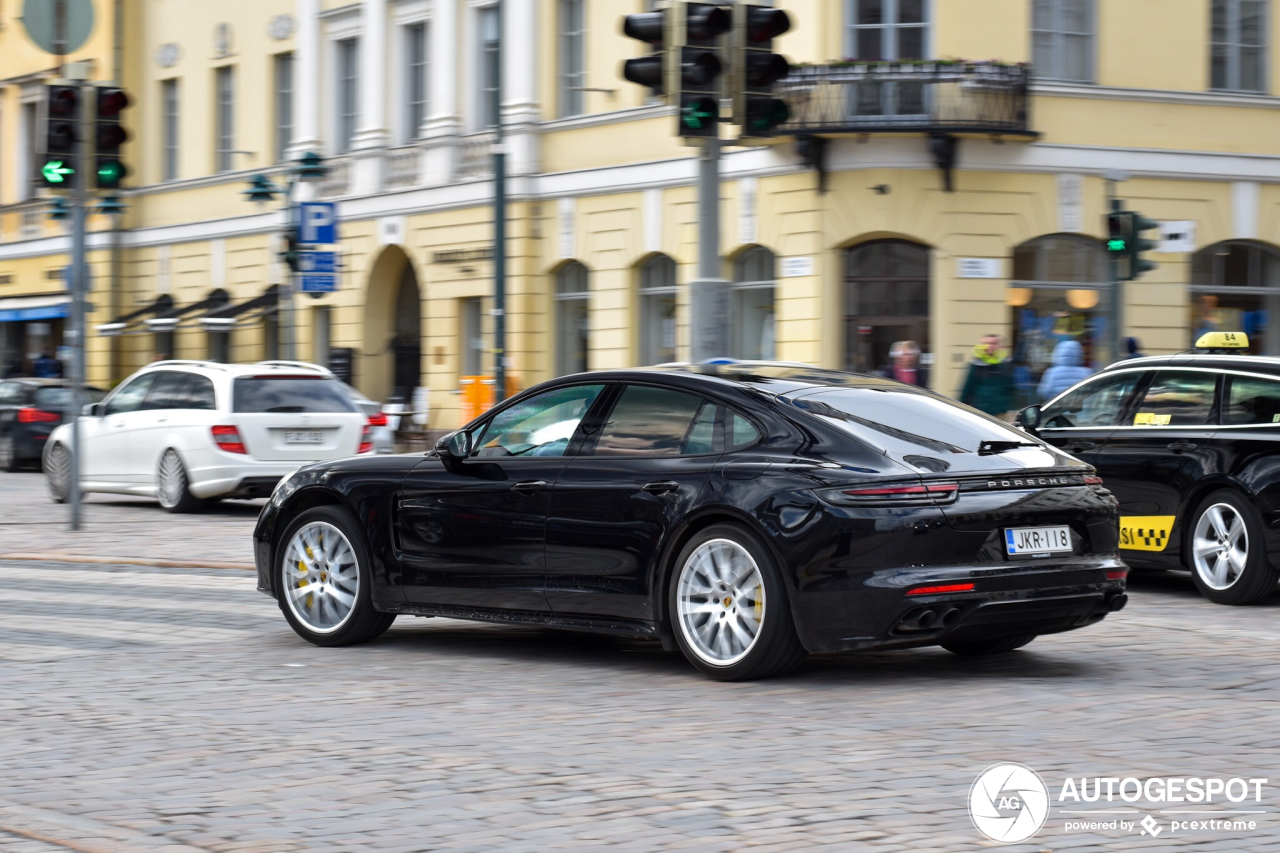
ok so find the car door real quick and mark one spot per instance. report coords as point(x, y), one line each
point(614, 505)
point(472, 531)
point(108, 444)
point(1082, 420)
point(178, 406)
point(1153, 460)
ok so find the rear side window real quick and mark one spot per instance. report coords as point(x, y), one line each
point(177, 390)
point(318, 395)
point(657, 422)
point(741, 433)
point(1253, 401)
point(1177, 398)
point(904, 421)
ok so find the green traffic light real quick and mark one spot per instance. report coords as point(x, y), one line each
point(109, 173)
point(697, 115)
point(57, 171)
point(1115, 245)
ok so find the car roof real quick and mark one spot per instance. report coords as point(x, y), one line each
point(772, 377)
point(1214, 361)
point(261, 368)
point(38, 380)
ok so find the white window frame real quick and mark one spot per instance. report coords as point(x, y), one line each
point(406, 14)
point(645, 292)
point(739, 286)
point(29, 143)
point(1234, 46)
point(888, 45)
point(224, 136)
point(474, 47)
point(573, 296)
point(170, 145)
point(280, 152)
point(572, 99)
point(1058, 33)
point(342, 140)
point(340, 25)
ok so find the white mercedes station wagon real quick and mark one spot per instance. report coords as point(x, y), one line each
point(187, 432)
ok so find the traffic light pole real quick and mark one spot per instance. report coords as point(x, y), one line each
point(499, 232)
point(708, 293)
point(79, 286)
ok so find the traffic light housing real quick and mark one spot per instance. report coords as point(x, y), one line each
point(261, 189)
point(697, 77)
point(1139, 244)
point(108, 136)
point(650, 28)
point(58, 168)
point(290, 255)
point(58, 209)
point(1125, 243)
point(756, 68)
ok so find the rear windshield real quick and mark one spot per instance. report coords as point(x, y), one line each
point(255, 394)
point(60, 398)
point(898, 422)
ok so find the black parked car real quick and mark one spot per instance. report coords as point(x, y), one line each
point(744, 513)
point(29, 411)
point(1190, 446)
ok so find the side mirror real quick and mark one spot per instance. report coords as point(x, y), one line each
point(1029, 419)
point(92, 410)
point(454, 447)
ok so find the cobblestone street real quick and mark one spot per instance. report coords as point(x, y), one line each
point(171, 708)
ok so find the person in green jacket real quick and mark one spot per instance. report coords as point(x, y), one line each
point(989, 385)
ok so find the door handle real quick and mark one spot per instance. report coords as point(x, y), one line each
point(660, 487)
point(1180, 446)
point(1077, 446)
point(528, 487)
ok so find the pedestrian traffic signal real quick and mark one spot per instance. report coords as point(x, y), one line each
point(62, 132)
point(756, 68)
point(650, 28)
point(1125, 242)
point(699, 27)
point(108, 135)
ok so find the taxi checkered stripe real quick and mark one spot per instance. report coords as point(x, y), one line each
point(1152, 538)
point(1145, 532)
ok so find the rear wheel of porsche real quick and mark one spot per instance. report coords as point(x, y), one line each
point(729, 607)
point(323, 582)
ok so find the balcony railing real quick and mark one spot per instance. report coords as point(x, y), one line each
point(897, 97)
point(475, 158)
point(337, 179)
point(402, 167)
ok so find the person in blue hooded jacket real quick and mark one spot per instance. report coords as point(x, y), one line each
point(1068, 369)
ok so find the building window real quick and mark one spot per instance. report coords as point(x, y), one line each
point(1056, 296)
point(472, 336)
point(886, 301)
point(490, 40)
point(1062, 40)
point(573, 56)
point(888, 30)
point(348, 92)
point(226, 118)
point(284, 105)
point(1238, 46)
point(271, 335)
point(572, 319)
point(415, 84)
point(751, 304)
point(220, 346)
point(31, 147)
point(169, 130)
point(1235, 287)
point(658, 310)
point(321, 334)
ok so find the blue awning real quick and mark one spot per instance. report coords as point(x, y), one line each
point(19, 309)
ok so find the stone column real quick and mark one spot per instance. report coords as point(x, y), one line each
point(443, 123)
point(520, 108)
point(370, 142)
point(306, 82)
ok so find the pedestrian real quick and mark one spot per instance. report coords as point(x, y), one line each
point(1067, 369)
point(47, 367)
point(904, 365)
point(989, 385)
point(1133, 348)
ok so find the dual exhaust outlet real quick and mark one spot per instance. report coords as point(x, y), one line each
point(928, 619)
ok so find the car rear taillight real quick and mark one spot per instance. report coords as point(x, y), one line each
point(1118, 575)
point(31, 415)
point(896, 495)
point(366, 440)
point(228, 438)
point(935, 590)
point(1092, 480)
point(379, 420)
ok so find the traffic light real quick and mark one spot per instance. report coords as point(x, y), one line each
point(290, 254)
point(261, 190)
point(62, 131)
point(699, 27)
point(650, 28)
point(1125, 243)
point(108, 135)
point(755, 68)
point(1139, 244)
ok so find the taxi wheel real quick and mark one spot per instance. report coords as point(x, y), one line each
point(1226, 551)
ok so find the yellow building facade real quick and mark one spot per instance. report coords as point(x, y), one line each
point(839, 236)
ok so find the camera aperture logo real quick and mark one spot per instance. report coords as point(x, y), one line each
point(1008, 803)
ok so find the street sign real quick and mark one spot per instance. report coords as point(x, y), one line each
point(318, 223)
point(317, 262)
point(319, 282)
point(40, 19)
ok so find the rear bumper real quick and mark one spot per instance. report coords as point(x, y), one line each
point(1005, 601)
point(244, 479)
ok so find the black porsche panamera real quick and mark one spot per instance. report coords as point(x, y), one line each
point(745, 514)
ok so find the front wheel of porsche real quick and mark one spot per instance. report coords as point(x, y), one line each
point(323, 581)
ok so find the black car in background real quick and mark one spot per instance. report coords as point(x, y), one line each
point(744, 513)
point(1190, 446)
point(29, 411)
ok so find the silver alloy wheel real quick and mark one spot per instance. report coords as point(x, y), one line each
point(720, 601)
point(321, 577)
point(1220, 546)
point(57, 472)
point(171, 480)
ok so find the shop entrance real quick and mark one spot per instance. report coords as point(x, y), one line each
point(391, 357)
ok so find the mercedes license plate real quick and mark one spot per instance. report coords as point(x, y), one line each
point(1021, 541)
point(303, 436)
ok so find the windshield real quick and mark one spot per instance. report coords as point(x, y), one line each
point(59, 397)
point(899, 422)
point(257, 394)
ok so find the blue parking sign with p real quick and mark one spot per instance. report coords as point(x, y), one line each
point(317, 223)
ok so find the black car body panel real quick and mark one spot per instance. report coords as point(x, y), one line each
point(48, 400)
point(588, 541)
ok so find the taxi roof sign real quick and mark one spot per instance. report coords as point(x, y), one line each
point(1223, 341)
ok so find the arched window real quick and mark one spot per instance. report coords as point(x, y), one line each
point(751, 301)
point(572, 319)
point(658, 310)
point(886, 300)
point(1056, 295)
point(1235, 287)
